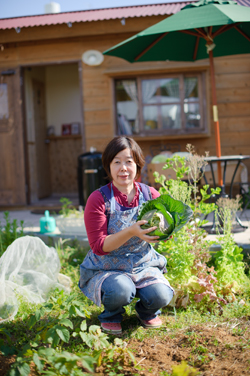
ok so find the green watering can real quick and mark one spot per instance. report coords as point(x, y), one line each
point(47, 223)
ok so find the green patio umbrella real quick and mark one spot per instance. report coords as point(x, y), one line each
point(207, 28)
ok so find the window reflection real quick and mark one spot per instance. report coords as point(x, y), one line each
point(127, 107)
point(170, 90)
point(171, 116)
point(191, 103)
point(4, 108)
point(192, 115)
point(191, 88)
point(160, 92)
point(150, 91)
point(150, 117)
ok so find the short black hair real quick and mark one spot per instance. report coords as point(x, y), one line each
point(118, 144)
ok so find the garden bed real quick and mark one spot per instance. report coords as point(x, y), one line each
point(211, 349)
point(221, 348)
point(209, 342)
point(206, 327)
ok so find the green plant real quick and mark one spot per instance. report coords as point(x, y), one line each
point(68, 209)
point(168, 214)
point(102, 355)
point(9, 232)
point(187, 252)
point(54, 324)
point(59, 342)
point(178, 189)
point(229, 260)
point(201, 349)
point(49, 361)
point(114, 358)
point(184, 370)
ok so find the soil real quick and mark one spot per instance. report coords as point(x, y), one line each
point(212, 349)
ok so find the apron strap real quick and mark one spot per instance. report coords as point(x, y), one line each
point(146, 191)
point(112, 200)
point(106, 194)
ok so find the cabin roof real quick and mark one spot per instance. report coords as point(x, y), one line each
point(93, 15)
point(98, 14)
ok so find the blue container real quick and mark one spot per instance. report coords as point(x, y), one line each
point(47, 223)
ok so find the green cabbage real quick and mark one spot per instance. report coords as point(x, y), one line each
point(168, 214)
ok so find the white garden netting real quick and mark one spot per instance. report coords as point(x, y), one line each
point(29, 270)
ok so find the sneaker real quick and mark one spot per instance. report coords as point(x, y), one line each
point(151, 323)
point(111, 327)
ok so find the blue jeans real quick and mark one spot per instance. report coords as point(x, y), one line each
point(118, 291)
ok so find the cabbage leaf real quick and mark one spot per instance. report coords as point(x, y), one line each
point(168, 214)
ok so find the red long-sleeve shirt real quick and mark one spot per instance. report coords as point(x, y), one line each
point(95, 219)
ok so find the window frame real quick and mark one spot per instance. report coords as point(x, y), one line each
point(203, 101)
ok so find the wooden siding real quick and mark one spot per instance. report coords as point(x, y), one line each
point(63, 153)
point(58, 44)
point(12, 170)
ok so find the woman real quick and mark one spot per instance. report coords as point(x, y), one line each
point(122, 263)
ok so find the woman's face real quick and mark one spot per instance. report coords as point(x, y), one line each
point(123, 169)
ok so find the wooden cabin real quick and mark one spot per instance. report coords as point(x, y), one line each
point(56, 104)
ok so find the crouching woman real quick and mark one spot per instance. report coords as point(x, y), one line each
point(122, 264)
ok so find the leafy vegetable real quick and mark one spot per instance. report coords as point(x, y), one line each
point(156, 218)
point(168, 214)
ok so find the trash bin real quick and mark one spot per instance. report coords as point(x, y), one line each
point(91, 175)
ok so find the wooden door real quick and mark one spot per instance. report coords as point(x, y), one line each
point(12, 164)
point(42, 147)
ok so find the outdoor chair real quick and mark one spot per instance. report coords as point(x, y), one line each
point(232, 188)
point(245, 193)
point(232, 180)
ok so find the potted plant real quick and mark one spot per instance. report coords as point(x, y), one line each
point(70, 220)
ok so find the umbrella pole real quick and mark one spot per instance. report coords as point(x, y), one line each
point(215, 117)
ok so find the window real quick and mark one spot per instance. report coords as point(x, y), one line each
point(161, 105)
point(4, 108)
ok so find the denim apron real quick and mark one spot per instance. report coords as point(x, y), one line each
point(136, 258)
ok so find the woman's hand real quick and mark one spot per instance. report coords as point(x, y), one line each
point(136, 230)
point(114, 241)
